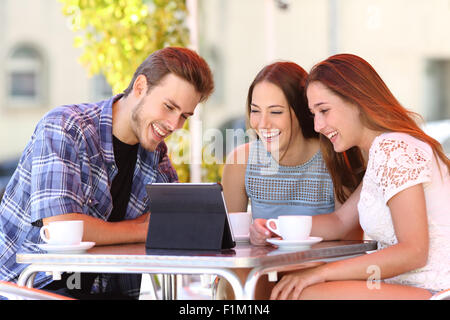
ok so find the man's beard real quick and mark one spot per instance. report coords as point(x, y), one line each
point(137, 123)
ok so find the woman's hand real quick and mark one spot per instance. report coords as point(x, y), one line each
point(292, 284)
point(259, 233)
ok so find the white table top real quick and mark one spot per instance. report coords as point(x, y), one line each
point(244, 255)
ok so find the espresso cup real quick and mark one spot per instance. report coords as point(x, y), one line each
point(291, 227)
point(63, 232)
point(240, 223)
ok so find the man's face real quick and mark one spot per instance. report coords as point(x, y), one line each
point(164, 109)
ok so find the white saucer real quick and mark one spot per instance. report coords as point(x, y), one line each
point(294, 244)
point(67, 248)
point(242, 238)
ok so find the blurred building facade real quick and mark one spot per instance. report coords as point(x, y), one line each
point(38, 70)
point(407, 42)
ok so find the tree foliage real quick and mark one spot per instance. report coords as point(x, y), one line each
point(117, 35)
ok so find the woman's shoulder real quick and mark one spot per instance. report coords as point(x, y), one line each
point(239, 155)
point(235, 165)
point(398, 161)
point(394, 142)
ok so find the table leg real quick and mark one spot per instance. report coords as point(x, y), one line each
point(30, 281)
point(228, 274)
point(250, 283)
point(173, 286)
point(27, 276)
point(169, 287)
point(235, 282)
point(164, 287)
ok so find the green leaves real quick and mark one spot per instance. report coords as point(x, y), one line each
point(117, 35)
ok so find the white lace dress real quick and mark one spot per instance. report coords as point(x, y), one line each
point(398, 161)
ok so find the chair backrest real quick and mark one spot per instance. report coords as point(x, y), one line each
point(12, 291)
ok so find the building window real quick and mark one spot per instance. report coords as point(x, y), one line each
point(23, 84)
point(25, 77)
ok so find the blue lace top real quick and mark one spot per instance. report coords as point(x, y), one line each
point(274, 190)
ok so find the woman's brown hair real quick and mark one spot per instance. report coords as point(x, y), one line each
point(356, 81)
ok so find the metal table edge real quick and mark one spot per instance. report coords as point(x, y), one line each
point(195, 261)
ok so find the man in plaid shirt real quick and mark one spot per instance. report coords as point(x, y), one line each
point(91, 162)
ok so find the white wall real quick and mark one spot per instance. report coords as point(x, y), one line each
point(41, 24)
point(396, 37)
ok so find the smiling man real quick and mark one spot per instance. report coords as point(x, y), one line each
point(91, 162)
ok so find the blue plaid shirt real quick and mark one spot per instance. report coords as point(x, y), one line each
point(68, 167)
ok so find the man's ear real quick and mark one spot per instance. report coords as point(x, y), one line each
point(140, 86)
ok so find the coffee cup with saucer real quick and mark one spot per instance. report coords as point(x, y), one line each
point(64, 237)
point(294, 231)
point(240, 225)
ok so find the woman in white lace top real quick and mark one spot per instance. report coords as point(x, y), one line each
point(403, 197)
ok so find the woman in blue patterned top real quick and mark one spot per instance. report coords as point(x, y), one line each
point(282, 172)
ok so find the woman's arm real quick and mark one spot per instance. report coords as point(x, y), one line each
point(408, 211)
point(233, 179)
point(338, 224)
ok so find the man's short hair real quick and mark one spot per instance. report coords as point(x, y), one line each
point(182, 62)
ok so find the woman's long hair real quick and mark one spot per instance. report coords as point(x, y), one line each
point(354, 80)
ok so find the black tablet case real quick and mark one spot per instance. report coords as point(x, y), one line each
point(188, 216)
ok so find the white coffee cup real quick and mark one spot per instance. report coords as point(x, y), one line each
point(292, 227)
point(240, 223)
point(63, 232)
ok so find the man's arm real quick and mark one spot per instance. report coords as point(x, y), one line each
point(104, 233)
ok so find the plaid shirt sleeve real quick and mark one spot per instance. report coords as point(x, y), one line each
point(56, 186)
point(165, 165)
point(45, 183)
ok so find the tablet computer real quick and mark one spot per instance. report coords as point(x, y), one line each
point(188, 216)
